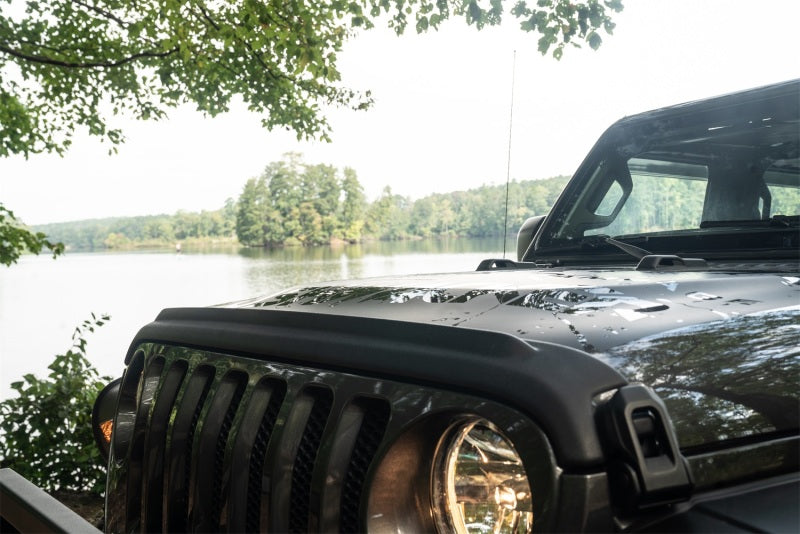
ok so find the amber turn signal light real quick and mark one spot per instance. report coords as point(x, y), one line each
point(103, 416)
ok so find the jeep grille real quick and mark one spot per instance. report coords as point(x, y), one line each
point(216, 441)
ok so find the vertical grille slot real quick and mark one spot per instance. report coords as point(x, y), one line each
point(306, 456)
point(222, 440)
point(208, 464)
point(124, 423)
point(370, 434)
point(180, 449)
point(146, 396)
point(268, 397)
point(153, 483)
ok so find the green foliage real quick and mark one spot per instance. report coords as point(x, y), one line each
point(311, 205)
point(292, 202)
point(252, 214)
point(353, 206)
point(66, 65)
point(45, 432)
point(148, 230)
point(389, 217)
point(15, 238)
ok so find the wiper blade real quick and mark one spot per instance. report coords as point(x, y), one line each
point(633, 250)
point(649, 261)
point(597, 241)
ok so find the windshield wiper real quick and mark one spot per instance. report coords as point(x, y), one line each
point(633, 250)
point(597, 241)
point(649, 261)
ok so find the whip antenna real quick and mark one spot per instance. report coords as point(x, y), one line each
point(508, 158)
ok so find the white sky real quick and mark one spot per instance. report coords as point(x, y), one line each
point(440, 122)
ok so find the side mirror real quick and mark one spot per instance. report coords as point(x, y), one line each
point(526, 233)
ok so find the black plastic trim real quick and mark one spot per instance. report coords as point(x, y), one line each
point(769, 505)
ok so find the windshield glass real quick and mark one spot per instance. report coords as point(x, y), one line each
point(680, 183)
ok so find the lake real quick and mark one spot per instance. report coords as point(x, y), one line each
point(42, 300)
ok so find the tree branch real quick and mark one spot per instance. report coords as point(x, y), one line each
point(84, 65)
point(103, 13)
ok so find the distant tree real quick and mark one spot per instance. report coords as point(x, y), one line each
point(115, 240)
point(446, 215)
point(423, 217)
point(321, 186)
point(283, 179)
point(353, 206)
point(251, 213)
point(159, 228)
point(311, 229)
point(228, 218)
point(389, 216)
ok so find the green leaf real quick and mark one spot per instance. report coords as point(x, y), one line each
point(594, 40)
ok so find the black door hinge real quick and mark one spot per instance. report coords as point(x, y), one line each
point(645, 465)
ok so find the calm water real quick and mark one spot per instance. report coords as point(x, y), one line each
point(42, 300)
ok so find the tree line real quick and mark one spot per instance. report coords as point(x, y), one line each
point(293, 203)
point(296, 204)
point(145, 230)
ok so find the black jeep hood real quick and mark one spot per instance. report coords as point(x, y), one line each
point(720, 348)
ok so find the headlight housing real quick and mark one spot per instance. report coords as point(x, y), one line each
point(480, 483)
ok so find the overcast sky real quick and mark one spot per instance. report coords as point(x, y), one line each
point(441, 118)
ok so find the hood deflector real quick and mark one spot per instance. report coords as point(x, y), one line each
point(529, 376)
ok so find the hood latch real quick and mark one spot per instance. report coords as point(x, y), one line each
point(645, 466)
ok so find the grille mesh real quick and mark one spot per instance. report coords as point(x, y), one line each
point(222, 440)
point(212, 438)
point(306, 458)
point(376, 417)
point(179, 518)
point(277, 390)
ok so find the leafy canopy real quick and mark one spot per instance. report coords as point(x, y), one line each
point(73, 64)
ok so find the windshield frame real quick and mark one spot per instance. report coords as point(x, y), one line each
point(766, 111)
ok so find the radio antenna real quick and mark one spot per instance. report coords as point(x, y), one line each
point(508, 158)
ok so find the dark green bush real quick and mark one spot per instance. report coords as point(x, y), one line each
point(45, 431)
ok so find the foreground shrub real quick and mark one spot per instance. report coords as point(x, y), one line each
point(45, 432)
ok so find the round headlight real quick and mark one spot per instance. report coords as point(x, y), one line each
point(480, 483)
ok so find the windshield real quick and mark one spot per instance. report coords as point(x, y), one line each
point(713, 182)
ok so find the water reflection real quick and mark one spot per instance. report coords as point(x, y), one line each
point(270, 270)
point(378, 248)
point(722, 380)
